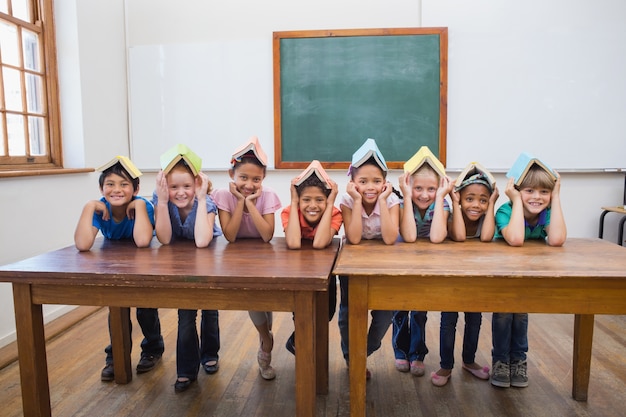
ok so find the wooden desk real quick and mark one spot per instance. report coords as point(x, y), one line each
point(246, 275)
point(620, 231)
point(584, 277)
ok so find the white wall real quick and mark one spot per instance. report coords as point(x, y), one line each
point(38, 214)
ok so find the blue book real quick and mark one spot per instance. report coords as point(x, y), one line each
point(368, 150)
point(523, 163)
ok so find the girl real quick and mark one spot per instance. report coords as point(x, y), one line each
point(475, 199)
point(246, 210)
point(425, 214)
point(183, 210)
point(370, 211)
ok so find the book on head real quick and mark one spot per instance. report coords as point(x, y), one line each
point(126, 163)
point(314, 168)
point(474, 168)
point(368, 150)
point(522, 165)
point(252, 146)
point(177, 153)
point(424, 156)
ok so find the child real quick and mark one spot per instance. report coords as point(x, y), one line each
point(474, 198)
point(121, 214)
point(183, 210)
point(312, 216)
point(533, 212)
point(425, 213)
point(246, 210)
point(370, 211)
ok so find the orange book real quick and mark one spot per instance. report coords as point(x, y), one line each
point(314, 168)
point(253, 146)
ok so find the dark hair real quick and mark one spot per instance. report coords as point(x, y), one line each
point(312, 181)
point(248, 158)
point(118, 169)
point(182, 164)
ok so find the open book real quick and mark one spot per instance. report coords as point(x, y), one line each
point(368, 150)
point(253, 146)
point(474, 168)
point(523, 163)
point(421, 157)
point(181, 152)
point(314, 168)
point(126, 163)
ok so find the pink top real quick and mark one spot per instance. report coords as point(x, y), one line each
point(268, 202)
point(371, 223)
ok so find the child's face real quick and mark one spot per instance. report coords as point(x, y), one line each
point(535, 200)
point(369, 181)
point(247, 178)
point(181, 187)
point(117, 190)
point(312, 204)
point(424, 189)
point(474, 201)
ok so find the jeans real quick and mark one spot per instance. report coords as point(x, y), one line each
point(190, 352)
point(409, 335)
point(447, 333)
point(509, 337)
point(380, 323)
point(152, 343)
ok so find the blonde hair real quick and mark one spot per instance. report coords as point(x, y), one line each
point(426, 170)
point(537, 177)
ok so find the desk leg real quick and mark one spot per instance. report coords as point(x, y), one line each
point(601, 226)
point(121, 343)
point(583, 338)
point(305, 353)
point(321, 341)
point(357, 322)
point(31, 349)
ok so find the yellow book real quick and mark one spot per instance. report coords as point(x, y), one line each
point(421, 157)
point(474, 168)
point(253, 146)
point(126, 163)
point(314, 168)
point(177, 153)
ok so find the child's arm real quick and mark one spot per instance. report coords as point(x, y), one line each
point(439, 225)
point(163, 223)
point(293, 233)
point(325, 233)
point(85, 233)
point(231, 222)
point(264, 223)
point(489, 221)
point(143, 229)
point(458, 232)
point(514, 232)
point(352, 222)
point(389, 217)
point(557, 231)
point(203, 229)
point(408, 228)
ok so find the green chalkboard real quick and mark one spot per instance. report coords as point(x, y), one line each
point(335, 89)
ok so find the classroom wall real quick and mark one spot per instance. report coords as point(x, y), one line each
point(38, 214)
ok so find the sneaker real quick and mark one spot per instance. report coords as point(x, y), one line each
point(147, 363)
point(290, 344)
point(501, 375)
point(107, 374)
point(519, 376)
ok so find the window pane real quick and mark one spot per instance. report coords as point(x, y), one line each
point(21, 9)
point(4, 6)
point(15, 131)
point(9, 45)
point(37, 132)
point(3, 151)
point(31, 50)
point(34, 92)
point(12, 89)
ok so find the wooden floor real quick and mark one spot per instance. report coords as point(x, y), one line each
point(76, 357)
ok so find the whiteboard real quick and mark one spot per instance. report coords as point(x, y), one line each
point(211, 96)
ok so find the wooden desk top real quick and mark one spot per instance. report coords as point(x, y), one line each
point(617, 209)
point(247, 263)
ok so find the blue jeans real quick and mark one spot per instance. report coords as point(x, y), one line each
point(509, 337)
point(190, 352)
point(380, 323)
point(409, 335)
point(447, 333)
point(152, 343)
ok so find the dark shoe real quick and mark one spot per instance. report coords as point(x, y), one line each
point(211, 367)
point(107, 374)
point(290, 345)
point(180, 386)
point(147, 363)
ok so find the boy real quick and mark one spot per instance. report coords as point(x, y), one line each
point(121, 214)
point(533, 212)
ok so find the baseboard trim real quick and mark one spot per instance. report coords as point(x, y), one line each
point(8, 353)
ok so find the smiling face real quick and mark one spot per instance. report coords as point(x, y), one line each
point(424, 185)
point(247, 177)
point(474, 200)
point(117, 190)
point(369, 180)
point(535, 200)
point(181, 187)
point(312, 204)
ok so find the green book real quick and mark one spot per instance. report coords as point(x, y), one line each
point(181, 152)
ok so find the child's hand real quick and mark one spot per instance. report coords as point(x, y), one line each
point(445, 187)
point(455, 196)
point(255, 194)
point(557, 185)
point(353, 191)
point(334, 191)
point(510, 190)
point(404, 182)
point(494, 195)
point(234, 191)
point(387, 189)
point(294, 192)
point(161, 187)
point(203, 184)
point(101, 208)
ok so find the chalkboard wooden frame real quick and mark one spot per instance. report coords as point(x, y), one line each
point(280, 116)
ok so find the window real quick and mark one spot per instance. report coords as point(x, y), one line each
point(29, 117)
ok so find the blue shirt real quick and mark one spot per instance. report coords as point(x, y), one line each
point(186, 230)
point(111, 229)
point(423, 223)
